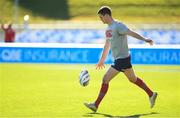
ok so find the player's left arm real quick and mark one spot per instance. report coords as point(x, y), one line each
point(100, 64)
point(138, 36)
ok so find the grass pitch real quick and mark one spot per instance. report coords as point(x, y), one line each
point(53, 90)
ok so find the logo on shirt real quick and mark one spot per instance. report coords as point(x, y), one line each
point(108, 34)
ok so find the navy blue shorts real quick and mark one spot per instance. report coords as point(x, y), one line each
point(122, 63)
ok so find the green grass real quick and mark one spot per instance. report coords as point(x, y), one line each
point(53, 90)
point(134, 11)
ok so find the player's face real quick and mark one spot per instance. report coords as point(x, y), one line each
point(103, 18)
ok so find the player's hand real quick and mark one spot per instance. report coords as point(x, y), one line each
point(100, 65)
point(149, 41)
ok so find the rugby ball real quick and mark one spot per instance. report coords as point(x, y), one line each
point(84, 77)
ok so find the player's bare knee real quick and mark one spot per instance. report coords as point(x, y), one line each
point(132, 80)
point(105, 79)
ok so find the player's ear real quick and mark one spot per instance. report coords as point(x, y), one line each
point(106, 15)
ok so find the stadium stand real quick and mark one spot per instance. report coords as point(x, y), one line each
point(92, 36)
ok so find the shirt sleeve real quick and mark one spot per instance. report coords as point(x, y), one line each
point(122, 28)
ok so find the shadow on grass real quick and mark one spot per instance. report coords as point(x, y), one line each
point(109, 115)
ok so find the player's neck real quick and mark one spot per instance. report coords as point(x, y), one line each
point(111, 20)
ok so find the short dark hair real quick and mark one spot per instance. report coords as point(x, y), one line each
point(104, 10)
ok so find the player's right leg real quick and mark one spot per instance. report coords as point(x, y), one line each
point(110, 74)
point(139, 82)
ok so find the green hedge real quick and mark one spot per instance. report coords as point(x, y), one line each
point(159, 11)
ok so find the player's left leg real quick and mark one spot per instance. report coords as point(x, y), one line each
point(110, 74)
point(139, 82)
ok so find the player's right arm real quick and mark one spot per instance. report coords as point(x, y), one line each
point(2, 26)
point(138, 36)
point(100, 64)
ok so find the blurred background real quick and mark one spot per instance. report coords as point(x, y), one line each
point(76, 21)
point(49, 42)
